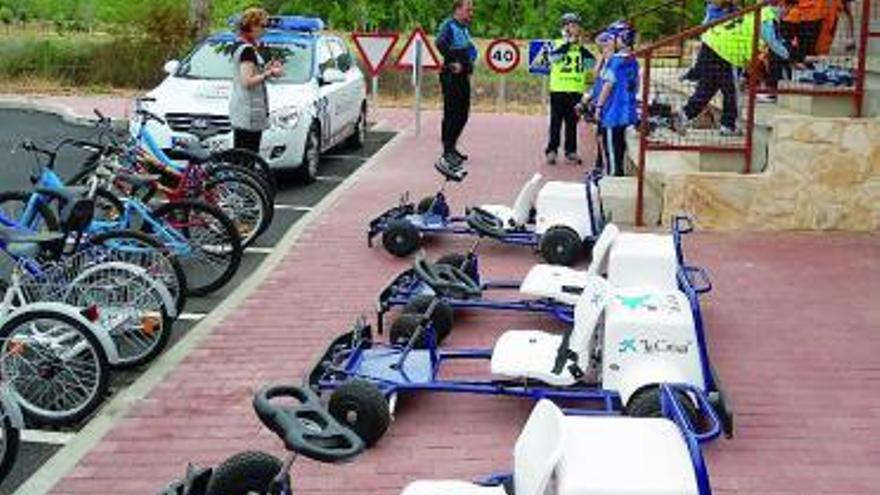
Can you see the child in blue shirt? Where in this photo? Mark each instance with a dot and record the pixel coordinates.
(616, 107)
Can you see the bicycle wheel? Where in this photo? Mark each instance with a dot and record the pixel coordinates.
(132, 246)
(244, 202)
(54, 366)
(9, 440)
(212, 251)
(13, 205)
(250, 161)
(130, 308)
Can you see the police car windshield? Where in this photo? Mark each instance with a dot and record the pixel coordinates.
(213, 60)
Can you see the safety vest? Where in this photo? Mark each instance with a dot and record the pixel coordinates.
(732, 40)
(568, 74)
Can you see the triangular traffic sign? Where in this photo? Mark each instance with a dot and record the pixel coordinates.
(375, 48)
(430, 59)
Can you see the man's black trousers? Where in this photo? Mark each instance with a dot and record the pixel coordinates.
(562, 111)
(456, 107)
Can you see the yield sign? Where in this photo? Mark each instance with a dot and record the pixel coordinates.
(375, 48)
(430, 60)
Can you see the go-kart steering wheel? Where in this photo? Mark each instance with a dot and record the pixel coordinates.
(485, 223)
(306, 427)
(446, 279)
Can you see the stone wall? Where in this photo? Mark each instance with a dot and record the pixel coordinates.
(823, 174)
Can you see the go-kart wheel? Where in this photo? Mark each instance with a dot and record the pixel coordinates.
(561, 246)
(425, 205)
(401, 238)
(646, 403)
(247, 472)
(405, 324)
(361, 406)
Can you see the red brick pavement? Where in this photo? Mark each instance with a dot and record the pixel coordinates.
(793, 325)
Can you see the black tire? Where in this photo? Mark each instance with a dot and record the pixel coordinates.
(175, 268)
(250, 161)
(229, 239)
(359, 137)
(13, 203)
(561, 246)
(244, 474)
(11, 441)
(220, 170)
(443, 316)
(401, 238)
(361, 406)
(248, 233)
(100, 356)
(645, 403)
(425, 204)
(307, 172)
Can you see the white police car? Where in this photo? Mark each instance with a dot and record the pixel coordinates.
(319, 103)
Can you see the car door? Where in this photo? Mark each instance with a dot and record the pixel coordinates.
(352, 95)
(328, 94)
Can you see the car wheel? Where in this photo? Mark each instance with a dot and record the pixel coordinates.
(308, 170)
(646, 403)
(561, 246)
(401, 238)
(443, 318)
(359, 137)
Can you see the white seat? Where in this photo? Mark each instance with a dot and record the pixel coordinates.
(532, 353)
(643, 260)
(535, 457)
(565, 284)
(518, 215)
(622, 455)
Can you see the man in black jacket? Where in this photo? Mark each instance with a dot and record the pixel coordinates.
(459, 54)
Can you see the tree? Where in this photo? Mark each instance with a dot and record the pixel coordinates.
(200, 18)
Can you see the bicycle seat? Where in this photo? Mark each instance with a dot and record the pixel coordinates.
(450, 171)
(10, 235)
(192, 152)
(446, 280)
(306, 427)
(205, 132)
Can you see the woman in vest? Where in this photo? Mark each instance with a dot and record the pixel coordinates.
(249, 103)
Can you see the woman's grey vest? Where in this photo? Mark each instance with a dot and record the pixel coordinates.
(248, 108)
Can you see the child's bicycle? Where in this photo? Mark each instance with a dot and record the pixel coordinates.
(306, 428)
(11, 424)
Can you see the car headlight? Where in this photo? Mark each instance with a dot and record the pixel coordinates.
(285, 117)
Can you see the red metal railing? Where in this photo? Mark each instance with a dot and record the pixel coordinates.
(663, 83)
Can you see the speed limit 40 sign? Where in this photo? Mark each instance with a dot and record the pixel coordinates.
(503, 56)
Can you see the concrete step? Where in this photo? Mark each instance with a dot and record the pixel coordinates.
(619, 199)
(871, 107)
(818, 105)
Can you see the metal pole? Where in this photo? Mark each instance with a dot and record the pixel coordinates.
(375, 83)
(753, 91)
(417, 82)
(861, 69)
(501, 103)
(644, 129)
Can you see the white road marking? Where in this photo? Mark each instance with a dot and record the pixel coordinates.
(330, 178)
(303, 209)
(192, 316)
(258, 250)
(50, 437)
(346, 157)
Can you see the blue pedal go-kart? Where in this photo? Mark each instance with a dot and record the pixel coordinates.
(622, 345)
(559, 219)
(455, 279)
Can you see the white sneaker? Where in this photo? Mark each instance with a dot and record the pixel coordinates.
(680, 123)
(766, 99)
(729, 132)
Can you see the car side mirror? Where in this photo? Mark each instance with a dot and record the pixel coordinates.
(332, 76)
(171, 67)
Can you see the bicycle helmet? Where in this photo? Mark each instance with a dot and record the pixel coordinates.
(570, 18)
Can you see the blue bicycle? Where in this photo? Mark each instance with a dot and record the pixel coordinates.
(203, 239)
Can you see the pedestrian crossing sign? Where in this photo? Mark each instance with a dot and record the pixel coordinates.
(539, 57)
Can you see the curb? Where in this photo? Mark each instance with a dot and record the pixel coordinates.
(38, 104)
(65, 460)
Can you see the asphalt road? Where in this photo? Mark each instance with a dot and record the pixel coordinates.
(292, 203)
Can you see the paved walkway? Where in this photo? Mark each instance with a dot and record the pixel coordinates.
(793, 326)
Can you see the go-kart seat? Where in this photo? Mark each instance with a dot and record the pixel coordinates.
(518, 215)
(550, 358)
(643, 260)
(535, 456)
(565, 284)
(635, 456)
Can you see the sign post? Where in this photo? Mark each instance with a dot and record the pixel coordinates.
(374, 49)
(502, 57)
(418, 55)
(539, 63)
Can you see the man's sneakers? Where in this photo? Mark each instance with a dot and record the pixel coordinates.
(452, 158)
(551, 157)
(680, 122)
(461, 156)
(725, 131)
(574, 158)
(762, 98)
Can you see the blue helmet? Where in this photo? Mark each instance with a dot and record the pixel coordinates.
(623, 31)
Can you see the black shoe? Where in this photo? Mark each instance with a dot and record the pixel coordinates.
(461, 156)
(452, 158)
